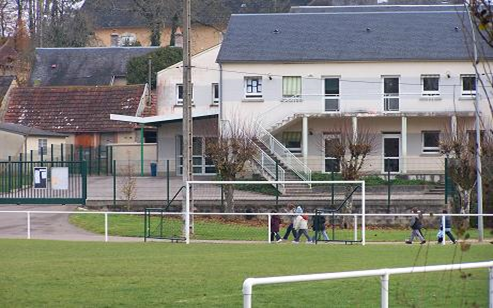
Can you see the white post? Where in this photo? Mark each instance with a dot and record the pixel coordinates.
(443, 229)
(187, 214)
(385, 291)
(28, 225)
(355, 227)
(269, 227)
(453, 125)
(247, 293)
(404, 144)
(304, 139)
(106, 227)
(355, 128)
(491, 287)
(363, 212)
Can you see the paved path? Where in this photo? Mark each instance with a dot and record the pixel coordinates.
(46, 226)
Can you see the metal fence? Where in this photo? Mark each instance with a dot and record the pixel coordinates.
(216, 227)
(32, 182)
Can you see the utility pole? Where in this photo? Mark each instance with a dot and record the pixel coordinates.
(479, 179)
(187, 105)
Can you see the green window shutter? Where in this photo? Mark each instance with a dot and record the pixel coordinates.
(291, 86)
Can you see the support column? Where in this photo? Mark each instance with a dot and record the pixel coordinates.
(355, 128)
(304, 139)
(404, 144)
(453, 125)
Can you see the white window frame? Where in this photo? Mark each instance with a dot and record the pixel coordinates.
(331, 96)
(462, 91)
(429, 150)
(179, 101)
(427, 92)
(253, 95)
(388, 96)
(43, 144)
(301, 87)
(215, 100)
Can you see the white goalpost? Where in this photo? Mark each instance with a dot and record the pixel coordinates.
(207, 198)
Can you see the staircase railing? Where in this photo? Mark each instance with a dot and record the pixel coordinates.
(278, 149)
(268, 165)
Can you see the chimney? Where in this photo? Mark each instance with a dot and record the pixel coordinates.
(115, 39)
(178, 38)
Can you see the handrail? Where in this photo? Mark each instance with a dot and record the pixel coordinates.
(278, 149)
(268, 165)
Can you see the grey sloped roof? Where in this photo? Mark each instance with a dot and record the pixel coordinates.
(346, 36)
(82, 66)
(5, 83)
(27, 131)
(376, 8)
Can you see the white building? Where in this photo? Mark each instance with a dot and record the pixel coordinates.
(402, 72)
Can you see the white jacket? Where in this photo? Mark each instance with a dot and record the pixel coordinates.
(300, 223)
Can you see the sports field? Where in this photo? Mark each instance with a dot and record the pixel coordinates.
(80, 274)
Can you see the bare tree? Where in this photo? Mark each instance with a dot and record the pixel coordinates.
(230, 151)
(350, 149)
(461, 165)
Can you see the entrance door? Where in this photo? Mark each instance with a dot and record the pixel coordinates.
(391, 153)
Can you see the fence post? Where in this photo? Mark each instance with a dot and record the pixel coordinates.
(106, 226)
(51, 153)
(9, 186)
(99, 160)
(61, 153)
(277, 184)
(332, 188)
(28, 225)
(446, 180)
(21, 173)
(388, 186)
(355, 227)
(167, 182)
(385, 290)
(114, 184)
(145, 223)
(269, 225)
(83, 166)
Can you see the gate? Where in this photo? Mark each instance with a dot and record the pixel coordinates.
(43, 182)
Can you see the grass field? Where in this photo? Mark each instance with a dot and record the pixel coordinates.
(133, 226)
(80, 274)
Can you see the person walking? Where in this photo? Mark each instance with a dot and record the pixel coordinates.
(301, 226)
(290, 229)
(319, 227)
(447, 230)
(416, 225)
(275, 223)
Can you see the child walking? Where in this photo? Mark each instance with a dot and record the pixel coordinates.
(416, 226)
(447, 230)
(301, 226)
(290, 210)
(275, 223)
(319, 228)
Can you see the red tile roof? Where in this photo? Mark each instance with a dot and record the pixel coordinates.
(76, 109)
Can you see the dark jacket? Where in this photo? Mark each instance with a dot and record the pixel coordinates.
(275, 223)
(448, 223)
(416, 223)
(318, 223)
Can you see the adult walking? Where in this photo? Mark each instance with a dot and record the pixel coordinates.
(416, 224)
(447, 230)
(290, 229)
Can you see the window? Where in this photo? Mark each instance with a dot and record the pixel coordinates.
(430, 85)
(431, 142)
(468, 83)
(179, 94)
(292, 141)
(215, 93)
(291, 86)
(201, 163)
(42, 146)
(331, 94)
(331, 146)
(391, 93)
(253, 87)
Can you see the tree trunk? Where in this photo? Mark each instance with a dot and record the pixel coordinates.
(229, 196)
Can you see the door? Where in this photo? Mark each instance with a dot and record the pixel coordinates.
(391, 153)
